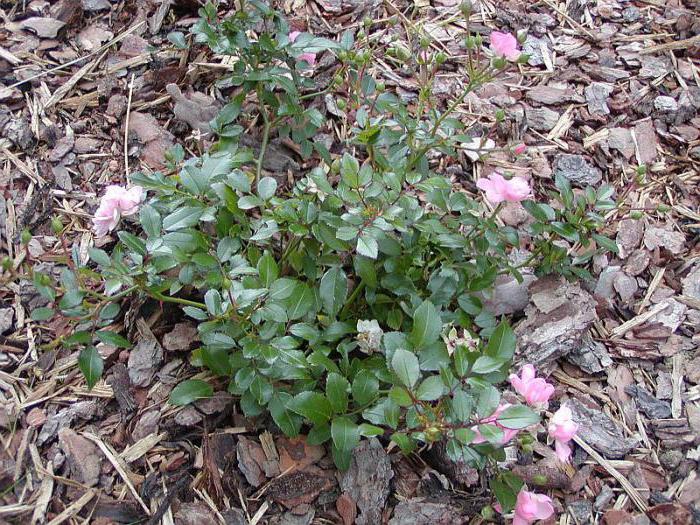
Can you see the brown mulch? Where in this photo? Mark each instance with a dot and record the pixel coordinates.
(611, 85)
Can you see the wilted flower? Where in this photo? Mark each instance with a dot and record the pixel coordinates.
(499, 189)
(369, 336)
(115, 203)
(504, 45)
(309, 58)
(562, 428)
(535, 390)
(531, 507)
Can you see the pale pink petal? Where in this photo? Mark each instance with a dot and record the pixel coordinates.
(493, 194)
(528, 372)
(543, 506)
(517, 189)
(504, 45)
(131, 200)
(293, 35)
(310, 58)
(563, 451)
(520, 149)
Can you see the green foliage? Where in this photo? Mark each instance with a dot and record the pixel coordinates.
(278, 278)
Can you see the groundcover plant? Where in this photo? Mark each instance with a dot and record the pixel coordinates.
(345, 302)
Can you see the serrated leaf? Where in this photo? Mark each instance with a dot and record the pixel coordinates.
(501, 344)
(364, 387)
(517, 417)
(268, 270)
(300, 302)
(487, 364)
(113, 338)
(313, 406)
(431, 389)
(267, 188)
(182, 218)
(367, 246)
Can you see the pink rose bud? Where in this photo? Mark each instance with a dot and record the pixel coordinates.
(520, 149)
(508, 433)
(531, 507)
(309, 58)
(535, 390)
(504, 45)
(562, 428)
(115, 203)
(499, 189)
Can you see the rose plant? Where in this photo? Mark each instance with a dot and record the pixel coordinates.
(335, 304)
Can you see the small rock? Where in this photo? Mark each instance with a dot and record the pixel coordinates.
(666, 104)
(629, 235)
(84, 458)
(541, 119)
(418, 511)
(625, 286)
(19, 132)
(43, 27)
(670, 459)
(654, 66)
(621, 140)
(591, 356)
(581, 510)
(251, 457)
(597, 96)
(637, 262)
(196, 109)
(664, 385)
(508, 295)
(603, 498)
(194, 513)
(646, 142)
(96, 5)
(656, 237)
(144, 361)
(672, 316)
(552, 95)
(631, 14)
(692, 370)
(601, 432)
(652, 407)
(116, 106)
(146, 424)
(6, 317)
(87, 145)
(576, 169)
(62, 177)
(36, 417)
(64, 417)
(92, 37)
(536, 48)
(62, 147)
(691, 283)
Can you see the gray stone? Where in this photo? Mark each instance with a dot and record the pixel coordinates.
(6, 316)
(592, 357)
(581, 510)
(534, 46)
(652, 407)
(603, 498)
(600, 432)
(666, 104)
(576, 169)
(631, 14)
(670, 459)
(83, 456)
(541, 119)
(597, 94)
(508, 295)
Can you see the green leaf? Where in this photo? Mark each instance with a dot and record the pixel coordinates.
(91, 365)
(427, 325)
(405, 365)
(337, 388)
(605, 243)
(501, 343)
(334, 290)
(267, 188)
(462, 405)
(405, 443)
(341, 458)
(189, 391)
(282, 288)
(400, 396)
(488, 401)
(150, 220)
(431, 389)
(313, 406)
(345, 433)
(367, 246)
(318, 434)
(42, 314)
(465, 435)
(113, 338)
(300, 302)
(99, 256)
(183, 218)
(364, 387)
(349, 170)
(268, 270)
(491, 433)
(517, 417)
(486, 364)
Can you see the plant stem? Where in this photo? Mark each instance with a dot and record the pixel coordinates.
(265, 138)
(168, 299)
(351, 299)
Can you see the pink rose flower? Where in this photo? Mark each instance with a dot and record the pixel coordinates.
(508, 433)
(499, 189)
(535, 390)
(309, 58)
(115, 203)
(562, 428)
(504, 45)
(531, 507)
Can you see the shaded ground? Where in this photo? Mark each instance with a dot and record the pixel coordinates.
(610, 86)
